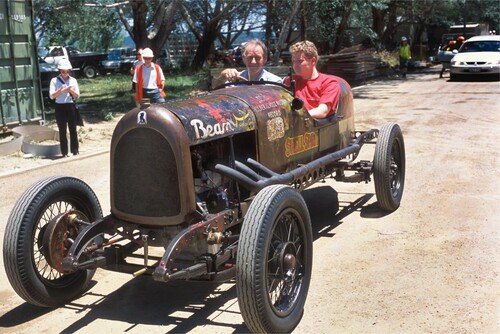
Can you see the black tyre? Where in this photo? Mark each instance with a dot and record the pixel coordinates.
(28, 272)
(389, 167)
(90, 72)
(455, 77)
(274, 261)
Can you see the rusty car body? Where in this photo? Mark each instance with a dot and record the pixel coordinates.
(214, 181)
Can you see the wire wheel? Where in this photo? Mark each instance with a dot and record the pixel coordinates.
(389, 167)
(274, 261)
(27, 268)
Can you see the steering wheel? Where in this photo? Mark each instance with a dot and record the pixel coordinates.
(239, 78)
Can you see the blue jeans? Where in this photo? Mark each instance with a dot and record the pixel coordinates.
(153, 95)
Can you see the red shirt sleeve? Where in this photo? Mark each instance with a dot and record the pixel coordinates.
(331, 92)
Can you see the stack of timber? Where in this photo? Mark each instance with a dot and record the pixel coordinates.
(354, 64)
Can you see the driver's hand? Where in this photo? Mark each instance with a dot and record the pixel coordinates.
(230, 74)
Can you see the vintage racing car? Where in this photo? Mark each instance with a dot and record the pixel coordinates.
(214, 182)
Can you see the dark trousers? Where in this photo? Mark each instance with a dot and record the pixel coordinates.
(66, 118)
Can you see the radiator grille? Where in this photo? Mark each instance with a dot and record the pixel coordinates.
(145, 179)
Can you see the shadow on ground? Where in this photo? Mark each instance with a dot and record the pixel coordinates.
(188, 305)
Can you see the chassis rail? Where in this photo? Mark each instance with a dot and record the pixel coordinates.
(251, 180)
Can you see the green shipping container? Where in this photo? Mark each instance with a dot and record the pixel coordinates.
(20, 92)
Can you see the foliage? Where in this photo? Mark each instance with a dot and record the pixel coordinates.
(205, 20)
(96, 25)
(149, 23)
(327, 15)
(62, 22)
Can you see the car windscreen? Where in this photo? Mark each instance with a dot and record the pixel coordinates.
(480, 46)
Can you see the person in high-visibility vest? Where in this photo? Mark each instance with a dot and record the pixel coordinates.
(149, 76)
(404, 56)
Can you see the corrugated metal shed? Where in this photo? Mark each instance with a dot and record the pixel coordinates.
(20, 93)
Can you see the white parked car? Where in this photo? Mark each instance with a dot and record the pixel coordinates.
(478, 55)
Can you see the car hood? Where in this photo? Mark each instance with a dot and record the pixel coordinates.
(477, 56)
(44, 67)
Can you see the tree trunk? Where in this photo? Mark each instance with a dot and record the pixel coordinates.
(210, 34)
(378, 21)
(344, 23)
(392, 24)
(160, 28)
(269, 24)
(139, 32)
(303, 22)
(284, 31)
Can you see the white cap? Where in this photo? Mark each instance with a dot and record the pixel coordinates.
(64, 65)
(403, 39)
(148, 53)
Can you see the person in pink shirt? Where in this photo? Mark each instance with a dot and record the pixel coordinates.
(320, 92)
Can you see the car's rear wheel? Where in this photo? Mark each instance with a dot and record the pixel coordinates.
(27, 267)
(389, 167)
(274, 261)
(90, 71)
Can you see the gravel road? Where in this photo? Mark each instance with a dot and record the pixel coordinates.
(430, 267)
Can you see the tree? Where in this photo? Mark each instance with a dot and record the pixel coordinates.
(205, 20)
(59, 22)
(153, 21)
(94, 25)
(324, 22)
(344, 22)
(285, 29)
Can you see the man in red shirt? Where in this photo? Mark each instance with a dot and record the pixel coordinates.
(320, 92)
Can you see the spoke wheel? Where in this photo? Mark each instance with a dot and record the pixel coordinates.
(274, 261)
(29, 272)
(389, 167)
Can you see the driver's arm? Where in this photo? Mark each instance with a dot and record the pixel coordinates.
(320, 111)
(229, 74)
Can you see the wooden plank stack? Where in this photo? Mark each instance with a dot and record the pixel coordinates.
(353, 64)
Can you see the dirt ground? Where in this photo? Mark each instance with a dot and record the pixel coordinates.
(430, 267)
(94, 137)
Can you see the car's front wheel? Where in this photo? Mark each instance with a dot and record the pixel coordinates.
(28, 263)
(274, 261)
